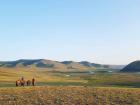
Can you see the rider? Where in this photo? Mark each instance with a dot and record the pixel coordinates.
(22, 78)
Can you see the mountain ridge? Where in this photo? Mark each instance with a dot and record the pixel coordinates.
(50, 64)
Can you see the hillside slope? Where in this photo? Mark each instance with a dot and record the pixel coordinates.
(55, 65)
(39, 63)
(132, 67)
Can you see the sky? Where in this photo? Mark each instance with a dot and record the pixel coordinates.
(99, 31)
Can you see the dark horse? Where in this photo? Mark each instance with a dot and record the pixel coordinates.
(28, 82)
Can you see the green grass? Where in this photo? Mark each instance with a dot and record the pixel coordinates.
(43, 78)
(115, 79)
(69, 88)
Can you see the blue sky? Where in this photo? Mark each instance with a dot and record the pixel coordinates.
(101, 31)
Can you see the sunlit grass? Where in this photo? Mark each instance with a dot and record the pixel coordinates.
(69, 95)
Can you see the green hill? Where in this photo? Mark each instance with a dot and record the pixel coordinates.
(55, 65)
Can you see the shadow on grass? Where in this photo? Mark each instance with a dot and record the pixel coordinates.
(129, 85)
(7, 85)
(12, 84)
(134, 85)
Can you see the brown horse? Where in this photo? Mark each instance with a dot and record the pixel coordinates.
(28, 82)
(20, 83)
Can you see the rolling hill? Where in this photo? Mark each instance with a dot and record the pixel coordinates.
(55, 65)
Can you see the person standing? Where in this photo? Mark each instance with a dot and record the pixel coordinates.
(33, 82)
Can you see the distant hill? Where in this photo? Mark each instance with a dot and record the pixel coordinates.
(132, 67)
(56, 65)
(75, 65)
(101, 66)
(39, 63)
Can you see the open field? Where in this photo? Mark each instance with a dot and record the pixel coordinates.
(9, 76)
(69, 88)
(49, 78)
(69, 95)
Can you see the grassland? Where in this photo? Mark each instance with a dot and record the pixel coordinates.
(69, 88)
(47, 78)
(9, 76)
(69, 95)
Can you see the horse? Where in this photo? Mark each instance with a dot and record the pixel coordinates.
(28, 82)
(22, 83)
(18, 83)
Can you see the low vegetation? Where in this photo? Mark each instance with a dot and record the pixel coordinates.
(43, 78)
(64, 95)
(69, 88)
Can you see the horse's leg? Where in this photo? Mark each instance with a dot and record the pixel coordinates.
(23, 83)
(16, 84)
(33, 83)
(27, 83)
(20, 83)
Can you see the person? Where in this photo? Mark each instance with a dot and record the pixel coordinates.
(22, 82)
(22, 78)
(33, 82)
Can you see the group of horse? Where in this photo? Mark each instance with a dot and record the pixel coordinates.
(22, 82)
